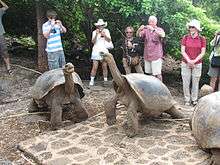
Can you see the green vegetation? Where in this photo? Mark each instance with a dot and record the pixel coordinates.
(79, 15)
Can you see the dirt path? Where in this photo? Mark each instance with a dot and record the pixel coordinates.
(16, 126)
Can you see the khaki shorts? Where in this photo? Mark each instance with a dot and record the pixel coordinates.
(3, 47)
(153, 67)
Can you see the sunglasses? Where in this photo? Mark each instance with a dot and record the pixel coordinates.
(191, 26)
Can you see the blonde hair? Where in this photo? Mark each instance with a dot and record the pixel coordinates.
(152, 17)
(129, 27)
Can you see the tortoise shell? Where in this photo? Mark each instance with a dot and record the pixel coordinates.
(50, 79)
(152, 93)
(206, 121)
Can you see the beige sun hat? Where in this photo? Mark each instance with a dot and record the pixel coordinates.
(100, 22)
(194, 23)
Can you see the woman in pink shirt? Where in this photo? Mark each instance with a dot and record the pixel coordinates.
(193, 47)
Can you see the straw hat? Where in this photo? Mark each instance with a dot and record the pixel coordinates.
(194, 23)
(100, 22)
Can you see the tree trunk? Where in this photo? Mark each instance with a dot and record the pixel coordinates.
(42, 56)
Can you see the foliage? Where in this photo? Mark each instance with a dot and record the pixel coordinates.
(79, 17)
(26, 41)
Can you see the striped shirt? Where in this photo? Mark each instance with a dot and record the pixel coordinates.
(54, 39)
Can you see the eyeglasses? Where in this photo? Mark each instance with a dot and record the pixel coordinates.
(128, 32)
(191, 27)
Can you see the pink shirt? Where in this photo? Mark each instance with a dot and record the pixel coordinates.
(193, 46)
(152, 44)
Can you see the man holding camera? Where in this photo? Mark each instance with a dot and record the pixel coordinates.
(52, 30)
(153, 49)
(3, 46)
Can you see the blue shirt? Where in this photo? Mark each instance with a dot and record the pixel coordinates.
(54, 39)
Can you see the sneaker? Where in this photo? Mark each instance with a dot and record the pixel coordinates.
(187, 103)
(194, 102)
(91, 83)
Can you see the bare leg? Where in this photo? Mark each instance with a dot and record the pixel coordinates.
(131, 126)
(125, 65)
(94, 68)
(7, 63)
(110, 111)
(138, 68)
(104, 69)
(216, 156)
(212, 82)
(56, 114)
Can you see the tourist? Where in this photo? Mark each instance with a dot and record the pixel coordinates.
(101, 39)
(153, 50)
(52, 30)
(193, 47)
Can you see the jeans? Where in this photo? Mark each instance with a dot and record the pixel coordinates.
(188, 75)
(56, 59)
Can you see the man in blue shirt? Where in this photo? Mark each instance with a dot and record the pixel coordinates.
(52, 30)
(3, 46)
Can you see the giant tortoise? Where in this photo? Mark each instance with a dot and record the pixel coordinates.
(56, 88)
(138, 93)
(205, 124)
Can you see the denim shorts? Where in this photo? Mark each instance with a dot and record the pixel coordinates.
(56, 59)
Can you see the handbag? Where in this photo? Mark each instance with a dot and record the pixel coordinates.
(215, 61)
(109, 45)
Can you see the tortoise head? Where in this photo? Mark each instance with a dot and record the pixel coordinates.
(68, 68)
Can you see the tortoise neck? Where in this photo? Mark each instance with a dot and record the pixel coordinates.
(114, 71)
(69, 84)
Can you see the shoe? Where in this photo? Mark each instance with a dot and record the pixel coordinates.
(194, 102)
(9, 71)
(187, 103)
(91, 83)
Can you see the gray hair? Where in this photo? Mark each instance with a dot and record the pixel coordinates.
(152, 17)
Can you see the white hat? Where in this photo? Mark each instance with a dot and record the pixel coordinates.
(194, 23)
(100, 23)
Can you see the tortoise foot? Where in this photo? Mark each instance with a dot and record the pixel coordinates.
(111, 121)
(130, 131)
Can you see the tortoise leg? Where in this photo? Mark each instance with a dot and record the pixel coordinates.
(110, 110)
(216, 156)
(56, 115)
(33, 107)
(131, 126)
(80, 110)
(174, 111)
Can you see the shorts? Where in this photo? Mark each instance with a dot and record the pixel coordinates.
(3, 47)
(56, 59)
(213, 72)
(153, 67)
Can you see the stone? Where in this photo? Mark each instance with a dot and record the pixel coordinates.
(158, 163)
(63, 135)
(146, 143)
(93, 132)
(97, 125)
(110, 130)
(81, 129)
(5, 162)
(71, 151)
(45, 156)
(59, 161)
(179, 155)
(173, 147)
(114, 139)
(142, 161)
(179, 163)
(80, 158)
(159, 151)
(102, 151)
(93, 162)
(42, 146)
(122, 162)
(59, 144)
(90, 141)
(133, 151)
(179, 140)
(73, 137)
(110, 158)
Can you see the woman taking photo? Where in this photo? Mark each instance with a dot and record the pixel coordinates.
(102, 42)
(193, 47)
